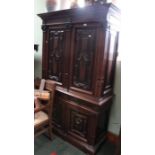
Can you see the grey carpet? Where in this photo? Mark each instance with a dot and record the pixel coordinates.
(43, 146)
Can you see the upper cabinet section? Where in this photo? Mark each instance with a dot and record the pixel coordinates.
(80, 48)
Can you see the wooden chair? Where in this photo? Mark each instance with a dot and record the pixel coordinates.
(43, 112)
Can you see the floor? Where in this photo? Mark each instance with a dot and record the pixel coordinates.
(43, 146)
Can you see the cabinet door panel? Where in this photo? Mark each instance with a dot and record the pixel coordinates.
(58, 51)
(83, 53)
(80, 122)
(55, 54)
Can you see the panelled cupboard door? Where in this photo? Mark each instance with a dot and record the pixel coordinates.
(83, 54)
(58, 52)
(81, 122)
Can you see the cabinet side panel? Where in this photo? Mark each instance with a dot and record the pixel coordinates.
(110, 61)
(103, 121)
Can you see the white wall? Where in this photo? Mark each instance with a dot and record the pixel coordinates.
(39, 8)
(115, 115)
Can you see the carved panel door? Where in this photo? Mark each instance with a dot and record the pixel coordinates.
(83, 53)
(57, 53)
(81, 122)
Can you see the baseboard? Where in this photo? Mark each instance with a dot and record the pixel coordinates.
(112, 138)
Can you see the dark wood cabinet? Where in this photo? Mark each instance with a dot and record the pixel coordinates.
(79, 53)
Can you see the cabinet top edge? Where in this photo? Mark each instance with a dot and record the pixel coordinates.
(103, 10)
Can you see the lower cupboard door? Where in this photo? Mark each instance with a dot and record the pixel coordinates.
(81, 123)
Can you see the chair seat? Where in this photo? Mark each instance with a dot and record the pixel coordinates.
(40, 117)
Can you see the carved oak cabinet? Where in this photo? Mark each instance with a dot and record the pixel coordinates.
(79, 53)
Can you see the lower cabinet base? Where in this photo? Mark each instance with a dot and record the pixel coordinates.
(81, 123)
(88, 149)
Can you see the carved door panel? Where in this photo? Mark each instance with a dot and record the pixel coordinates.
(80, 122)
(83, 53)
(58, 52)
